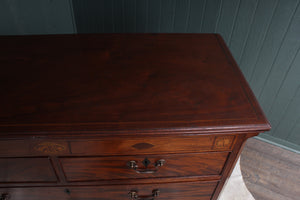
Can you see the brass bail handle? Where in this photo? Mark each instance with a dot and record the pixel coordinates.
(133, 165)
(133, 195)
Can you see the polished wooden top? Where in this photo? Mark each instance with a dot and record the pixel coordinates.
(123, 82)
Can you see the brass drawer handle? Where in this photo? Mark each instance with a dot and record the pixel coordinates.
(133, 165)
(4, 196)
(133, 195)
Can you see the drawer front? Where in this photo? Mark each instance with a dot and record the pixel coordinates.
(165, 191)
(33, 147)
(152, 145)
(117, 145)
(14, 170)
(148, 166)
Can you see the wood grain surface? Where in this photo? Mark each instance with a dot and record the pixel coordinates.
(176, 191)
(79, 107)
(125, 145)
(14, 170)
(270, 172)
(114, 82)
(176, 165)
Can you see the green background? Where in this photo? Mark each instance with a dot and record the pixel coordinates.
(263, 36)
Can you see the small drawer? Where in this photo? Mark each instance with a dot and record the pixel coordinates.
(147, 166)
(162, 191)
(16, 170)
(33, 147)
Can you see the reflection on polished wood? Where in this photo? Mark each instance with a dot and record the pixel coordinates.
(76, 109)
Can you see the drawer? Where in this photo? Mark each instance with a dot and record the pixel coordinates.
(33, 147)
(14, 170)
(117, 145)
(152, 145)
(165, 191)
(147, 166)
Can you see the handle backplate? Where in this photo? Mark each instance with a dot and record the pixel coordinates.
(133, 165)
(133, 195)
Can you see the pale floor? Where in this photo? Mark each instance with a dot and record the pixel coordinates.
(235, 188)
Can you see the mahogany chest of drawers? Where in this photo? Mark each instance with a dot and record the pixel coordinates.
(121, 116)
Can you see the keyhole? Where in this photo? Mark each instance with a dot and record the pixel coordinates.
(67, 191)
(146, 162)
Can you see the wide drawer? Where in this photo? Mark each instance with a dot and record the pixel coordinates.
(152, 145)
(117, 145)
(14, 170)
(147, 166)
(163, 191)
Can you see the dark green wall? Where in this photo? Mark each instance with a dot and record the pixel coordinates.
(20, 17)
(263, 35)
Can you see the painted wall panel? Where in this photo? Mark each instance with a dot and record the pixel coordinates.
(211, 16)
(286, 126)
(197, 8)
(168, 8)
(242, 27)
(272, 42)
(227, 19)
(280, 109)
(282, 64)
(294, 134)
(141, 15)
(129, 16)
(108, 16)
(181, 17)
(118, 16)
(154, 16)
(91, 19)
(260, 25)
(36, 17)
(8, 20)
